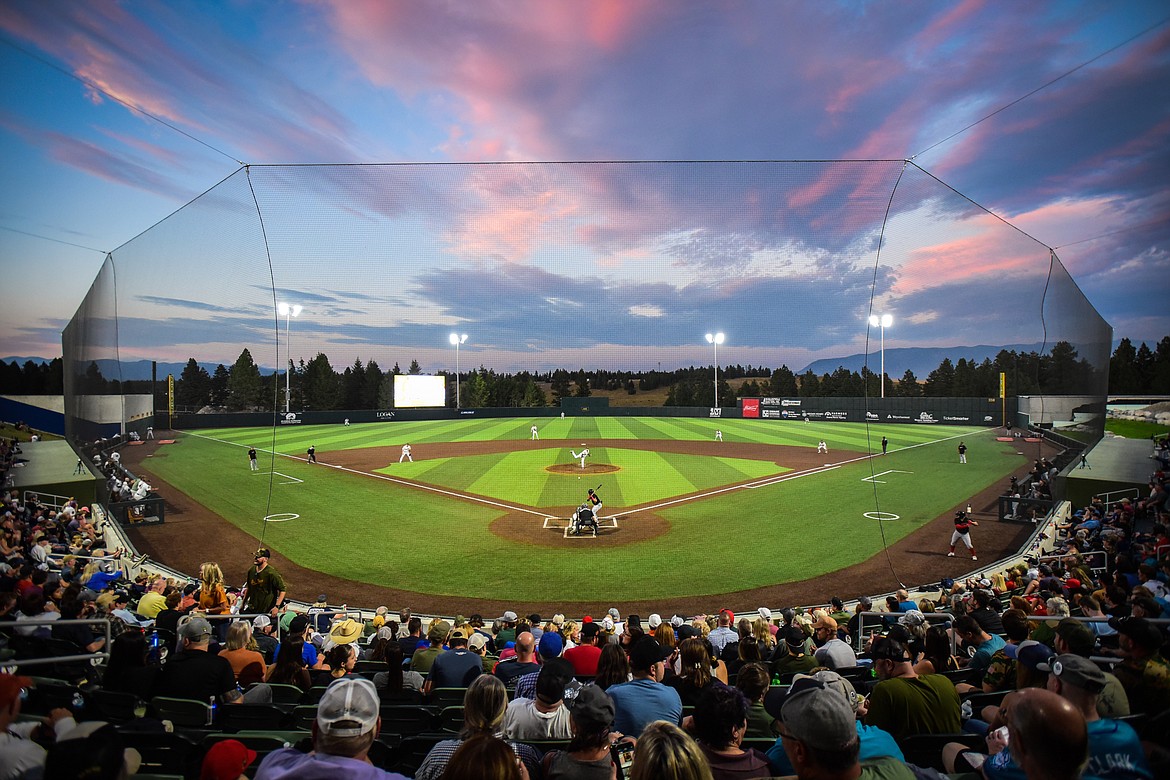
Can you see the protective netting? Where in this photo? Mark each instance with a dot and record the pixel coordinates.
(578, 265)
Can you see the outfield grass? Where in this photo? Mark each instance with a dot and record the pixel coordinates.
(1135, 429)
(373, 529)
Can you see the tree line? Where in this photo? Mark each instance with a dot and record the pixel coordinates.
(317, 385)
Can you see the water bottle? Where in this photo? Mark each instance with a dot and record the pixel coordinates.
(77, 703)
(211, 711)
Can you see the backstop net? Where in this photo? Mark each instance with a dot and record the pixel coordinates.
(619, 266)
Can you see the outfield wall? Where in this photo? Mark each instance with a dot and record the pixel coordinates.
(926, 411)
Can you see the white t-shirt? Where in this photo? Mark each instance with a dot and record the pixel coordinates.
(523, 721)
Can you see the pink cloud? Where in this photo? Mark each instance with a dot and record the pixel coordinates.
(989, 250)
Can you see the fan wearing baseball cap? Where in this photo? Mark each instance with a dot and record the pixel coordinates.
(455, 668)
(645, 699)
(1144, 672)
(818, 731)
(265, 589)
(346, 726)
(904, 702)
(197, 674)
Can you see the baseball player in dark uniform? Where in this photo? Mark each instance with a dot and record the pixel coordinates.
(963, 523)
(252, 459)
(312, 453)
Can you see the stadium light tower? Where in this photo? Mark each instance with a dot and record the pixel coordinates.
(715, 340)
(457, 339)
(882, 322)
(288, 312)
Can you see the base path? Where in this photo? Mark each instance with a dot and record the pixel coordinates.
(193, 534)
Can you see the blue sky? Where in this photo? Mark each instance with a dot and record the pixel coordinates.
(657, 256)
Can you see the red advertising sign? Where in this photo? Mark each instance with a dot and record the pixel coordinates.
(751, 407)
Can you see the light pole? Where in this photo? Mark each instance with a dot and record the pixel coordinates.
(457, 339)
(715, 340)
(288, 312)
(882, 322)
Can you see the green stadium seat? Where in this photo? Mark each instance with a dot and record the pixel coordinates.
(164, 754)
(251, 717)
(447, 697)
(451, 719)
(183, 713)
(408, 719)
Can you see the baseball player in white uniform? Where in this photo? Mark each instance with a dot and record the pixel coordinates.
(405, 454)
(582, 455)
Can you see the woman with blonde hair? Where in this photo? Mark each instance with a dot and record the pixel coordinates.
(762, 631)
(666, 752)
(212, 597)
(664, 635)
(247, 664)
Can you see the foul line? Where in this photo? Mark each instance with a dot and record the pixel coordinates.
(874, 477)
(396, 480)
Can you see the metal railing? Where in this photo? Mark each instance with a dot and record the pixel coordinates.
(1113, 496)
(18, 626)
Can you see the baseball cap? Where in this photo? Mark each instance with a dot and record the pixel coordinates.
(477, 641)
(654, 621)
(607, 623)
(1139, 630)
(348, 708)
(775, 698)
(819, 715)
(438, 630)
(508, 617)
(261, 621)
(1075, 670)
(263, 552)
(297, 625)
(593, 706)
(590, 629)
(646, 652)
(676, 621)
(613, 613)
(226, 760)
(195, 629)
(558, 619)
(889, 650)
(550, 645)
(794, 637)
(1078, 636)
(765, 613)
(911, 618)
(458, 634)
(826, 622)
(1032, 653)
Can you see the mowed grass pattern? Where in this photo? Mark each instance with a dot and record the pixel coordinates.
(380, 531)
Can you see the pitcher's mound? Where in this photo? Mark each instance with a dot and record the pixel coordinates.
(575, 468)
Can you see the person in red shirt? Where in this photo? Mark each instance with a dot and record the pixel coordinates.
(584, 656)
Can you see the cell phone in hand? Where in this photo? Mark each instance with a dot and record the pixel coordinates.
(623, 756)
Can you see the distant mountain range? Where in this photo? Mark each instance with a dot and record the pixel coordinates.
(920, 360)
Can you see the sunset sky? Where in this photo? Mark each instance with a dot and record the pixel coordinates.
(601, 266)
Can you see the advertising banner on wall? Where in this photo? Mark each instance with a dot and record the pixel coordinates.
(919, 411)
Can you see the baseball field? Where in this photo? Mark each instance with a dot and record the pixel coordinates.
(478, 515)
